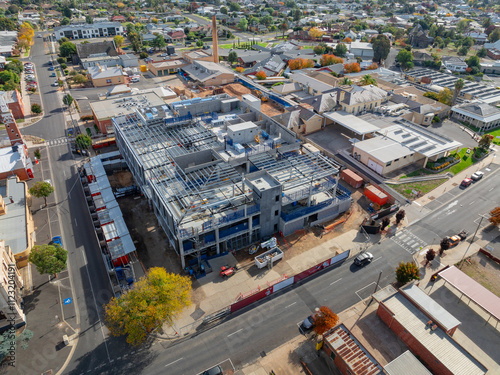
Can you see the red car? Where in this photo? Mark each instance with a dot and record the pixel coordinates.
(466, 182)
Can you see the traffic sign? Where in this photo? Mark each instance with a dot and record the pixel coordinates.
(67, 301)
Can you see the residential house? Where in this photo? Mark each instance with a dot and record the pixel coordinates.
(494, 53)
(419, 38)
(3, 62)
(321, 103)
(8, 41)
(479, 37)
(287, 88)
(118, 18)
(310, 85)
(455, 64)
(87, 50)
(351, 34)
(361, 49)
(356, 99)
(481, 115)
(208, 73)
(101, 76)
(420, 57)
(176, 36)
(272, 66)
(87, 31)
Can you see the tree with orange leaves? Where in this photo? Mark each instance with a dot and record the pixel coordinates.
(495, 216)
(261, 75)
(25, 35)
(347, 40)
(330, 60)
(372, 66)
(324, 320)
(352, 68)
(239, 69)
(300, 63)
(315, 33)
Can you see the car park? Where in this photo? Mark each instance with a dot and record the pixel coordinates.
(53, 74)
(363, 259)
(55, 83)
(29, 77)
(466, 182)
(216, 370)
(51, 68)
(476, 176)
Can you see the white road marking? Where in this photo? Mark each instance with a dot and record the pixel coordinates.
(290, 305)
(491, 189)
(377, 259)
(235, 332)
(76, 224)
(471, 203)
(336, 281)
(64, 173)
(177, 360)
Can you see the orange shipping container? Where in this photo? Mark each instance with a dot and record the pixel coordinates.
(375, 195)
(351, 178)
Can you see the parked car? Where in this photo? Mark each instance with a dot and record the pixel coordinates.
(28, 64)
(164, 55)
(466, 182)
(57, 240)
(476, 176)
(134, 79)
(29, 77)
(32, 82)
(51, 68)
(363, 259)
(216, 370)
(77, 151)
(307, 324)
(53, 74)
(55, 83)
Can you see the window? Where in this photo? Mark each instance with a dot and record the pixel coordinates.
(275, 227)
(276, 213)
(277, 198)
(108, 81)
(395, 160)
(388, 164)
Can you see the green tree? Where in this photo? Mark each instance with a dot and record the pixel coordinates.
(63, 40)
(243, 24)
(494, 35)
(66, 12)
(36, 108)
(118, 39)
(232, 57)
(65, 21)
(367, 79)
(199, 43)
(223, 10)
(83, 141)
(445, 96)
(157, 298)
(474, 63)
(482, 53)
(319, 50)
(7, 24)
(283, 28)
(68, 100)
(485, 142)
(463, 25)
(48, 259)
(459, 85)
(234, 7)
(346, 82)
(381, 48)
(405, 58)
(340, 50)
(41, 189)
(159, 42)
(463, 51)
(79, 78)
(89, 20)
(407, 272)
(67, 49)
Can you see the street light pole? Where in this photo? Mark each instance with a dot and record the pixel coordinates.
(470, 243)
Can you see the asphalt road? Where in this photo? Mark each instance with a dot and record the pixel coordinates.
(246, 335)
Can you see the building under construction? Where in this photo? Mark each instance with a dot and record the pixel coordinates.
(221, 181)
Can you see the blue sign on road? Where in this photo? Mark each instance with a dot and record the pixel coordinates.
(67, 301)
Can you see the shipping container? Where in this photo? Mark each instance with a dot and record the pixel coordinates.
(351, 178)
(375, 195)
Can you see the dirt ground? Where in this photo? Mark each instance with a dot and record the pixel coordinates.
(484, 271)
(306, 239)
(121, 179)
(238, 90)
(150, 241)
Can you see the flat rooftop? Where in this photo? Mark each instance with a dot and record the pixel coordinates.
(107, 109)
(383, 149)
(13, 225)
(351, 122)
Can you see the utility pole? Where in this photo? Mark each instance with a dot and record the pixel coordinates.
(470, 243)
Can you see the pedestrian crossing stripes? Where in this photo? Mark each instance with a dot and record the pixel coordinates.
(408, 241)
(57, 142)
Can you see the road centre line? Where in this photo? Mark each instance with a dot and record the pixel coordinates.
(377, 259)
(241, 329)
(336, 281)
(286, 307)
(177, 360)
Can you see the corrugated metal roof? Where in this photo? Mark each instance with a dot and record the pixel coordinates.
(406, 364)
(472, 289)
(430, 307)
(442, 346)
(352, 352)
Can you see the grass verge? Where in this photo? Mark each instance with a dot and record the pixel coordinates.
(423, 186)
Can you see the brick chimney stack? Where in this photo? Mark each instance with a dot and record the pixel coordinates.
(215, 42)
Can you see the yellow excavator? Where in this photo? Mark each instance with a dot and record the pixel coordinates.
(263, 97)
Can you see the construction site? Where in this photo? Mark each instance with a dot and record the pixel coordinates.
(220, 174)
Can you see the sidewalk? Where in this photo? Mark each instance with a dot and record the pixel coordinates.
(46, 315)
(418, 208)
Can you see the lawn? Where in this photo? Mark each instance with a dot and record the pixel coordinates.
(417, 173)
(230, 45)
(466, 162)
(496, 134)
(484, 271)
(423, 186)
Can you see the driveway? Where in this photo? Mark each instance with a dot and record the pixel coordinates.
(453, 130)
